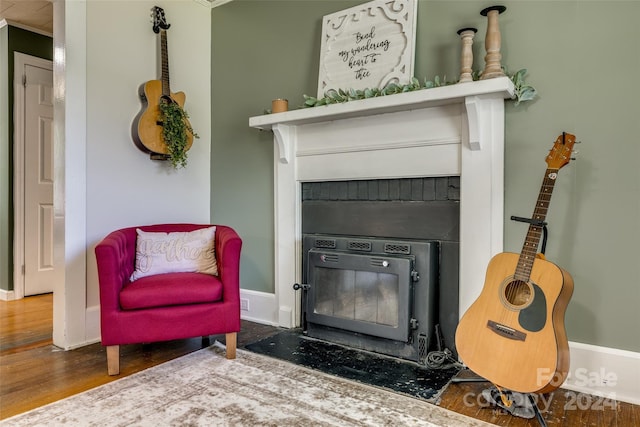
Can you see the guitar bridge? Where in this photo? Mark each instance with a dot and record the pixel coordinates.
(506, 331)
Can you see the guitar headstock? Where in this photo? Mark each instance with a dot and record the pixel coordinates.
(560, 154)
(159, 20)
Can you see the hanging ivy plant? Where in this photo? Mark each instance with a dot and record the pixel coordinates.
(523, 92)
(175, 130)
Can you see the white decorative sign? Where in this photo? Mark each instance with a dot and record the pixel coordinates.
(368, 46)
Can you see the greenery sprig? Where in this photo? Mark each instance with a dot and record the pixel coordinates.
(174, 132)
(523, 92)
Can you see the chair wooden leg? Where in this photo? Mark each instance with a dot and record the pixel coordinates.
(230, 340)
(113, 359)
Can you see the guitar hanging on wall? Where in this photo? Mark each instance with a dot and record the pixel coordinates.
(147, 127)
(513, 334)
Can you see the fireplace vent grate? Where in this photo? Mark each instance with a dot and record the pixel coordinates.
(397, 248)
(355, 245)
(423, 347)
(325, 243)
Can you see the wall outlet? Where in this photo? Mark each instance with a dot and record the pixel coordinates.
(244, 304)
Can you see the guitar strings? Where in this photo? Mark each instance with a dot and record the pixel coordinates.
(517, 291)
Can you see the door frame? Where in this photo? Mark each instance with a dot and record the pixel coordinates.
(21, 60)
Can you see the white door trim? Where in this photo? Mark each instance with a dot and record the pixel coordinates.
(21, 60)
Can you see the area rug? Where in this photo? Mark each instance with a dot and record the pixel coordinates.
(363, 366)
(206, 389)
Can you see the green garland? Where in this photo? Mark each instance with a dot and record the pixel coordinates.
(174, 132)
(523, 92)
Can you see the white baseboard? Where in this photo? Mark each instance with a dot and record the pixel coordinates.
(261, 307)
(607, 372)
(7, 295)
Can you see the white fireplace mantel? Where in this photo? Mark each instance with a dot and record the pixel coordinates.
(455, 130)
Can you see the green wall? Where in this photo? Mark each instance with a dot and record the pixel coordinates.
(13, 40)
(261, 50)
(581, 57)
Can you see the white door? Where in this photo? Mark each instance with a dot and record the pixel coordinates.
(38, 181)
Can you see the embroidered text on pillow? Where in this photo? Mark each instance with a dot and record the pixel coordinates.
(158, 253)
(172, 250)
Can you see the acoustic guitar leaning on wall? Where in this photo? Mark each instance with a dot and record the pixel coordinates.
(513, 334)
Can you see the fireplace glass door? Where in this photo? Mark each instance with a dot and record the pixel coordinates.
(369, 294)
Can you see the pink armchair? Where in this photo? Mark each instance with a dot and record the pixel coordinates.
(166, 306)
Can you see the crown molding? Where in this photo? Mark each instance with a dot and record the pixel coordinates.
(5, 22)
(212, 3)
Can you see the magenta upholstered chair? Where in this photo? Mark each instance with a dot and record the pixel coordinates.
(167, 306)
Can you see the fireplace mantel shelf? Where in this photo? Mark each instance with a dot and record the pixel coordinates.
(455, 130)
(468, 93)
(387, 104)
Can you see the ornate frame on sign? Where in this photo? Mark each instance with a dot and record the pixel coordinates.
(368, 46)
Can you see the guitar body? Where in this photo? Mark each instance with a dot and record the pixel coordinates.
(514, 336)
(147, 126)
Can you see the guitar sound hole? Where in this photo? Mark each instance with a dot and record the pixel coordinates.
(517, 293)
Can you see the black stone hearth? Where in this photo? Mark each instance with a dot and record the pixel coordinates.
(420, 215)
(365, 367)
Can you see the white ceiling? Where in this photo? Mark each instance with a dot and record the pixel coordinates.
(36, 14)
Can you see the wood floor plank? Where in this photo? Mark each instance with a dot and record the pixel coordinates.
(26, 321)
(628, 415)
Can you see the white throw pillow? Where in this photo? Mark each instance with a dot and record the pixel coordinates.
(192, 251)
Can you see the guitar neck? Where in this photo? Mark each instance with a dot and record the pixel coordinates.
(532, 241)
(166, 91)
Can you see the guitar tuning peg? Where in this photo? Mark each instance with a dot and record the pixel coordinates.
(576, 152)
(577, 142)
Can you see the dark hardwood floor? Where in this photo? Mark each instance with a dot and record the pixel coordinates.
(33, 372)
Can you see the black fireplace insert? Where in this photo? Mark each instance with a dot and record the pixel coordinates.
(371, 293)
(380, 263)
